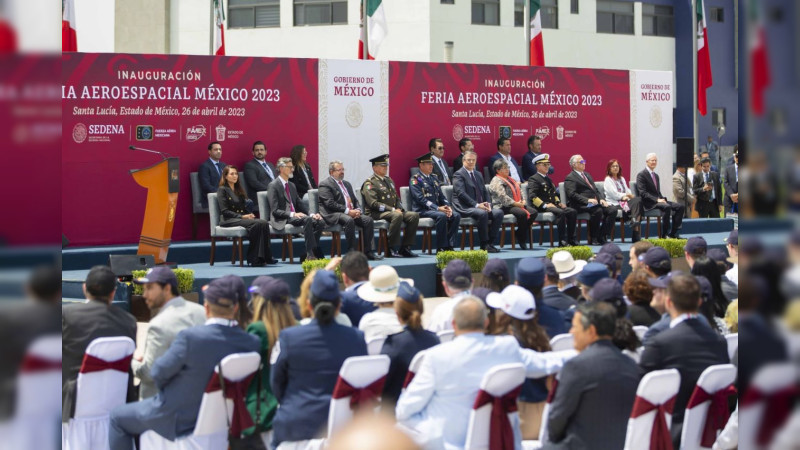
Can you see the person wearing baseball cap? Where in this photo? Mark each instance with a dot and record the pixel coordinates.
(495, 275)
(382, 291)
(591, 274)
(695, 247)
(530, 274)
(656, 261)
(171, 314)
(403, 346)
(608, 290)
(306, 361)
(182, 373)
(457, 282)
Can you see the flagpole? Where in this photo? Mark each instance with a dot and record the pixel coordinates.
(213, 30)
(365, 29)
(694, 75)
(527, 30)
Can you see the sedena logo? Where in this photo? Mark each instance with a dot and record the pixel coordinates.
(79, 133)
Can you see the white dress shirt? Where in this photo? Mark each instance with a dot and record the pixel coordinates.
(442, 317)
(381, 322)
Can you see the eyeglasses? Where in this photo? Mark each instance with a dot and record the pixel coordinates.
(583, 161)
(439, 148)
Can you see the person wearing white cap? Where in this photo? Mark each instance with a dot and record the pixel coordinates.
(381, 289)
(437, 403)
(567, 269)
(518, 318)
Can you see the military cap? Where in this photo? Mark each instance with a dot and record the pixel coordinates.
(382, 159)
(427, 157)
(543, 158)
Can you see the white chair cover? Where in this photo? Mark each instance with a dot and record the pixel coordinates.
(713, 379)
(446, 335)
(656, 387)
(563, 341)
(375, 344)
(497, 382)
(97, 394)
(733, 344)
(768, 380)
(359, 372)
(413, 368)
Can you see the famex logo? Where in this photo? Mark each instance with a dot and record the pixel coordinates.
(96, 133)
(194, 133)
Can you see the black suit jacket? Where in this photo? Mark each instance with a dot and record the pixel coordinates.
(593, 400)
(554, 298)
(705, 196)
(528, 167)
(464, 196)
(759, 344)
(578, 192)
(81, 323)
(279, 210)
(691, 346)
(458, 163)
(649, 192)
(209, 178)
(731, 183)
(332, 201)
(401, 349)
(300, 182)
(257, 179)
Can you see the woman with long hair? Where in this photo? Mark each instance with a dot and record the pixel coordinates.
(272, 313)
(507, 195)
(306, 364)
(707, 306)
(235, 212)
(618, 193)
(609, 291)
(516, 315)
(303, 178)
(705, 266)
(402, 347)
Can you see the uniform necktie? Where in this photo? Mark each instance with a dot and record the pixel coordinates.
(288, 196)
(346, 195)
(478, 194)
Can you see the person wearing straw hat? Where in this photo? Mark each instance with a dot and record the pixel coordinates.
(567, 269)
(381, 289)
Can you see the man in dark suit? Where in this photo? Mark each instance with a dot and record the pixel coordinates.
(355, 272)
(543, 195)
(258, 172)
(211, 171)
(428, 200)
(338, 205)
(182, 374)
(582, 195)
(648, 185)
(471, 199)
(436, 149)
(708, 190)
(551, 296)
(81, 323)
(596, 389)
(285, 207)
(731, 176)
(463, 145)
(504, 152)
(534, 150)
(689, 345)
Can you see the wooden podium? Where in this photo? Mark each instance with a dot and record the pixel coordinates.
(161, 182)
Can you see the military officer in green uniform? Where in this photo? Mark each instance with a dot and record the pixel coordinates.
(543, 196)
(382, 202)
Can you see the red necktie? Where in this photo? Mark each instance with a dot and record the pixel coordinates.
(346, 195)
(288, 196)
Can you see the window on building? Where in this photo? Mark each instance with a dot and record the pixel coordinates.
(716, 14)
(549, 10)
(574, 6)
(254, 13)
(658, 20)
(717, 117)
(486, 12)
(519, 13)
(614, 17)
(320, 12)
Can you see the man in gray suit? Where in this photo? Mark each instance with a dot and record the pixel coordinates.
(258, 172)
(285, 207)
(596, 389)
(182, 374)
(172, 315)
(81, 323)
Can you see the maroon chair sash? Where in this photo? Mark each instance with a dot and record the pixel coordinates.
(501, 436)
(359, 397)
(660, 438)
(33, 363)
(717, 414)
(778, 406)
(93, 364)
(234, 390)
(409, 377)
(552, 394)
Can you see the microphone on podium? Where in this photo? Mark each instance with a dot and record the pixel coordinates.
(163, 155)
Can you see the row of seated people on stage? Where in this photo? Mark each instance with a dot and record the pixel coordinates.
(701, 187)
(486, 204)
(306, 340)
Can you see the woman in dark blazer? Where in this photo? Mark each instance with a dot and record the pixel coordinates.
(303, 177)
(234, 213)
(402, 347)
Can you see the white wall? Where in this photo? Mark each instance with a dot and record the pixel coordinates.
(190, 27)
(95, 22)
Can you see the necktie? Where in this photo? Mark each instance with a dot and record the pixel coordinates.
(288, 196)
(653, 176)
(219, 172)
(346, 195)
(478, 194)
(583, 174)
(266, 168)
(444, 172)
(712, 187)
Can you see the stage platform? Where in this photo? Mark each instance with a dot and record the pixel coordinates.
(194, 255)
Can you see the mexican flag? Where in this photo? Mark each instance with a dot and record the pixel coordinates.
(219, 28)
(760, 77)
(374, 30)
(69, 41)
(704, 78)
(537, 44)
